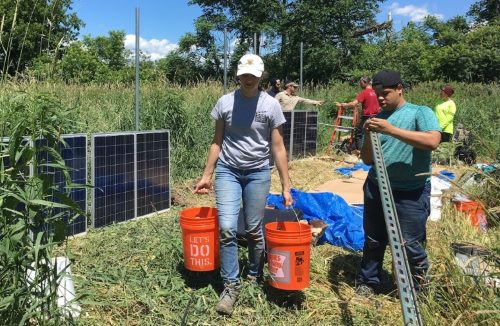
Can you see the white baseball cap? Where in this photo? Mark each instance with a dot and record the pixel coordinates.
(250, 64)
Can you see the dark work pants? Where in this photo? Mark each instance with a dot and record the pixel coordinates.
(413, 208)
(445, 137)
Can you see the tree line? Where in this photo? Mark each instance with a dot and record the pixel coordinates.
(341, 41)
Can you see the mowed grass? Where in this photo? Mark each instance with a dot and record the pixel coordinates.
(133, 274)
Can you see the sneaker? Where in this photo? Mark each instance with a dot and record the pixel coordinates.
(364, 290)
(228, 298)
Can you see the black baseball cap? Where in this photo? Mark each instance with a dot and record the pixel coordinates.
(387, 78)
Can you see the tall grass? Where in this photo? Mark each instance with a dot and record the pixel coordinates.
(185, 111)
(27, 204)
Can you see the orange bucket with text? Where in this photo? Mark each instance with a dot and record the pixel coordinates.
(288, 247)
(473, 211)
(200, 238)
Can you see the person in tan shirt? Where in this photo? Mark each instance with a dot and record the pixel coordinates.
(288, 100)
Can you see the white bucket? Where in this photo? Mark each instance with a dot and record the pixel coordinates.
(65, 288)
(437, 187)
(436, 205)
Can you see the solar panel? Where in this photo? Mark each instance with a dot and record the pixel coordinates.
(20, 175)
(75, 158)
(74, 154)
(311, 133)
(153, 169)
(4, 143)
(113, 178)
(4, 150)
(287, 129)
(299, 133)
(131, 175)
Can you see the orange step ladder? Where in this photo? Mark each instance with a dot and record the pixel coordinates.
(341, 127)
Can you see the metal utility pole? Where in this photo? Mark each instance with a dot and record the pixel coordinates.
(301, 68)
(301, 65)
(388, 31)
(255, 43)
(225, 60)
(137, 81)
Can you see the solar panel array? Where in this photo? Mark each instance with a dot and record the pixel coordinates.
(74, 153)
(131, 171)
(130, 175)
(299, 133)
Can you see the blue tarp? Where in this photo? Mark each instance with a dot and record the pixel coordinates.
(345, 222)
(348, 171)
(447, 174)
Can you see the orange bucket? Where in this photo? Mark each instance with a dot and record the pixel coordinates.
(473, 211)
(200, 238)
(288, 254)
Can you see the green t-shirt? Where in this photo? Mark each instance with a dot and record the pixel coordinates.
(402, 160)
(445, 113)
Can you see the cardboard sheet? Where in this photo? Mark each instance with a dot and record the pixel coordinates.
(351, 189)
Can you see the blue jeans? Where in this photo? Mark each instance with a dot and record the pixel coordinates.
(232, 186)
(413, 208)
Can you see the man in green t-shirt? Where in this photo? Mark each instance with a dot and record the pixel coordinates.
(409, 133)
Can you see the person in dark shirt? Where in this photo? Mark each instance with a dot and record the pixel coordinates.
(275, 88)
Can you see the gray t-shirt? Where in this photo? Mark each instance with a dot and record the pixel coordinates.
(247, 128)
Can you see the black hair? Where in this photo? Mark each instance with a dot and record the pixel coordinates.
(273, 81)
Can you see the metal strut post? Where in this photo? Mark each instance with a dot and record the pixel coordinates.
(407, 294)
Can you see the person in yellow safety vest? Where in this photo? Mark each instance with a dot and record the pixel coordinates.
(445, 112)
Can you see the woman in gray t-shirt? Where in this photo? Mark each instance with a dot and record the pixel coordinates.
(247, 132)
